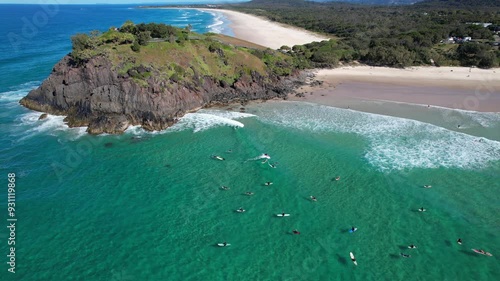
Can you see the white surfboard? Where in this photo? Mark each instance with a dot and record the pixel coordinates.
(283, 215)
(222, 245)
(353, 258)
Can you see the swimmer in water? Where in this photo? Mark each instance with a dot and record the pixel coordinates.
(249, 193)
(412, 246)
(459, 241)
(337, 178)
(405, 255)
(268, 183)
(295, 231)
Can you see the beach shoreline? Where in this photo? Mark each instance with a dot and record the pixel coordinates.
(466, 88)
(265, 32)
(462, 88)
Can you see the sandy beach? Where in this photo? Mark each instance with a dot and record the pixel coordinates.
(266, 33)
(454, 87)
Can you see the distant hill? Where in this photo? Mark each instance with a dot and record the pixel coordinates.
(374, 2)
(460, 3)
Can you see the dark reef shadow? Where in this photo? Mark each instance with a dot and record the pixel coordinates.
(108, 144)
(447, 243)
(394, 256)
(341, 259)
(167, 166)
(403, 247)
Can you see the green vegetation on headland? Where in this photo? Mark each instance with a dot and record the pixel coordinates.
(459, 32)
(177, 54)
(152, 74)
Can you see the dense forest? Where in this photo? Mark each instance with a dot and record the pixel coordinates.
(436, 32)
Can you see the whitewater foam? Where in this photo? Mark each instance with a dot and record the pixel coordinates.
(202, 120)
(51, 125)
(17, 93)
(394, 143)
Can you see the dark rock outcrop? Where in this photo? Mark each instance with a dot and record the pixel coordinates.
(95, 95)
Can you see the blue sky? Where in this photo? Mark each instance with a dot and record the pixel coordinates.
(112, 1)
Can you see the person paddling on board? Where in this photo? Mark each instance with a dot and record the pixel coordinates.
(249, 193)
(405, 255)
(459, 241)
(295, 231)
(313, 198)
(353, 229)
(283, 214)
(268, 183)
(337, 178)
(241, 210)
(412, 246)
(225, 244)
(421, 209)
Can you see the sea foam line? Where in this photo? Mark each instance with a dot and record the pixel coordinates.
(394, 143)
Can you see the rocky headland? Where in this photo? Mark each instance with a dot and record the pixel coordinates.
(111, 85)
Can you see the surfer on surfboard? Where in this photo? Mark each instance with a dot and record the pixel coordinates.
(459, 241)
(218, 157)
(353, 258)
(295, 231)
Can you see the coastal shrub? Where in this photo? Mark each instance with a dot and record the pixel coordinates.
(143, 37)
(79, 41)
(473, 54)
(136, 47)
(116, 37)
(128, 27)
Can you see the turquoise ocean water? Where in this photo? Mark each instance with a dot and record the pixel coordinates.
(148, 206)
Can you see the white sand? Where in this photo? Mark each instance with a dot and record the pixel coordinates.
(266, 33)
(448, 75)
(456, 87)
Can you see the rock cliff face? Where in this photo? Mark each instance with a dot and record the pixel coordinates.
(95, 95)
